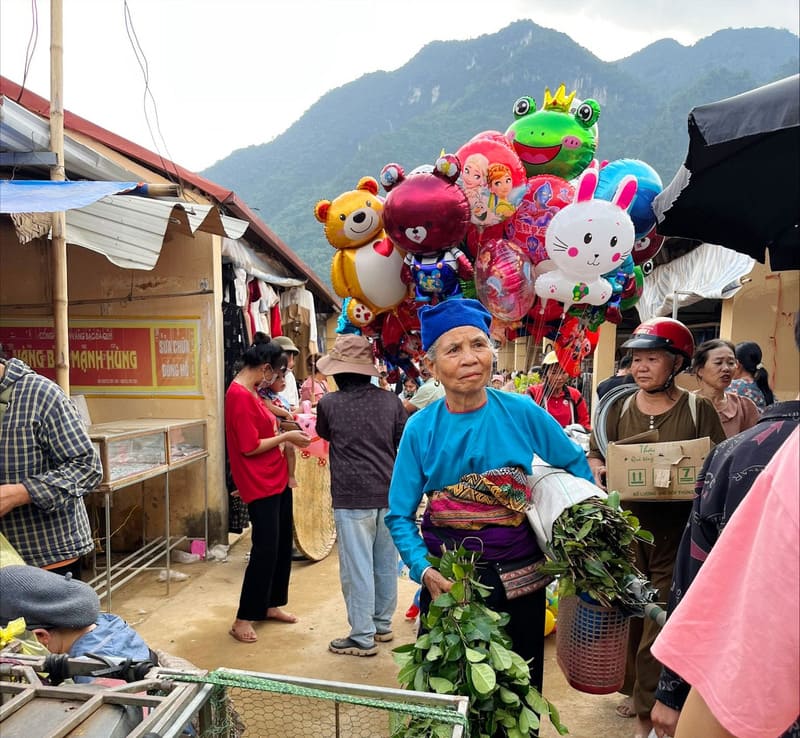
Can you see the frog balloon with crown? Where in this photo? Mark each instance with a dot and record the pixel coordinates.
(560, 138)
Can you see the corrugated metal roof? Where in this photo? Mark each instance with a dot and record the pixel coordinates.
(22, 131)
(129, 231)
(260, 232)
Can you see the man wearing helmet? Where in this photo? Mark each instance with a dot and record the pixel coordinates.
(661, 348)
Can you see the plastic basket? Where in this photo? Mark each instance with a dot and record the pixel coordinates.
(591, 645)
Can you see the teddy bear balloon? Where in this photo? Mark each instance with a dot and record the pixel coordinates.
(426, 214)
(585, 240)
(367, 267)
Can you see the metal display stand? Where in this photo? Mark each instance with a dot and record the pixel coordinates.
(132, 451)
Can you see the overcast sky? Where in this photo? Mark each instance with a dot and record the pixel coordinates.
(226, 74)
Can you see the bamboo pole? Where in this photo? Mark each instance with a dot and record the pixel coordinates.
(57, 173)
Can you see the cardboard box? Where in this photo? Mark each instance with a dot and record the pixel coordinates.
(655, 471)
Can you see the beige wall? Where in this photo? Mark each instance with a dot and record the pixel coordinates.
(764, 311)
(99, 289)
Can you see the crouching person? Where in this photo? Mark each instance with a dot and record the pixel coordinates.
(64, 615)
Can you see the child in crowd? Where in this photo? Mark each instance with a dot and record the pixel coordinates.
(272, 394)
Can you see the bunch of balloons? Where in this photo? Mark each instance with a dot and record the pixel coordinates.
(552, 242)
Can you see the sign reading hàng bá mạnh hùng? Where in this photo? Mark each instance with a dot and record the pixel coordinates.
(656, 471)
(114, 356)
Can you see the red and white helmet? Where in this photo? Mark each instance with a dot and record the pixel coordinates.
(663, 333)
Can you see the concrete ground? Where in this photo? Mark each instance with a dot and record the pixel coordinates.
(193, 622)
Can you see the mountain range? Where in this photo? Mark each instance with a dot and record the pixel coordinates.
(452, 90)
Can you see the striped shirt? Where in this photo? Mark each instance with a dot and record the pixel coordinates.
(45, 447)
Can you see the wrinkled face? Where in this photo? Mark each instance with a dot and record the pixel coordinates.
(464, 359)
(651, 367)
(719, 368)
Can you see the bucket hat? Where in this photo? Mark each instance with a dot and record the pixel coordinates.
(350, 354)
(286, 344)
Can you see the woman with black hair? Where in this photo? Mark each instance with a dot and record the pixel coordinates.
(261, 474)
(751, 380)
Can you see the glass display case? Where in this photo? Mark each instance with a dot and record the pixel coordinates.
(132, 451)
(186, 442)
(129, 452)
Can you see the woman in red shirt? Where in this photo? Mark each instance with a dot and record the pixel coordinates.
(563, 402)
(261, 475)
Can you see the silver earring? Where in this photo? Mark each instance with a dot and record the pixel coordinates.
(436, 382)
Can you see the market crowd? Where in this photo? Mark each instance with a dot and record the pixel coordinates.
(416, 467)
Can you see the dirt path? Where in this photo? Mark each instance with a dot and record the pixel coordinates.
(193, 623)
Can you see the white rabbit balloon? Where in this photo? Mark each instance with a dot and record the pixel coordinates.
(585, 240)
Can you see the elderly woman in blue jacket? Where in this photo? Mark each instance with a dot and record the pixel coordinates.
(474, 439)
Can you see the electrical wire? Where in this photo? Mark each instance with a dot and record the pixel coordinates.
(141, 59)
(31, 47)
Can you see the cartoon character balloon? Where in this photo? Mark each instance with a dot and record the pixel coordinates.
(504, 279)
(398, 342)
(585, 240)
(646, 247)
(366, 267)
(492, 177)
(573, 343)
(559, 139)
(427, 214)
(545, 196)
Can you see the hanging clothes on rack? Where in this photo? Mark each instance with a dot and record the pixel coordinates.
(299, 320)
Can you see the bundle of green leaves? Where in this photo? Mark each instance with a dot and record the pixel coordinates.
(591, 553)
(466, 651)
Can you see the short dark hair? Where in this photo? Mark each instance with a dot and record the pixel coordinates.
(626, 361)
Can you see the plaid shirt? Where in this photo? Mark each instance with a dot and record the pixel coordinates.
(44, 446)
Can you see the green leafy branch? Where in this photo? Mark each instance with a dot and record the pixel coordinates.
(466, 651)
(591, 552)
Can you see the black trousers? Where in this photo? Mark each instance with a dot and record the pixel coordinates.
(266, 579)
(526, 624)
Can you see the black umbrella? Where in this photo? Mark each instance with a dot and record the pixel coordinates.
(739, 186)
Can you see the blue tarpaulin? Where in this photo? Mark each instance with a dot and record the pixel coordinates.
(44, 196)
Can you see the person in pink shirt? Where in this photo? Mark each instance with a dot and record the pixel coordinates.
(315, 385)
(735, 636)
